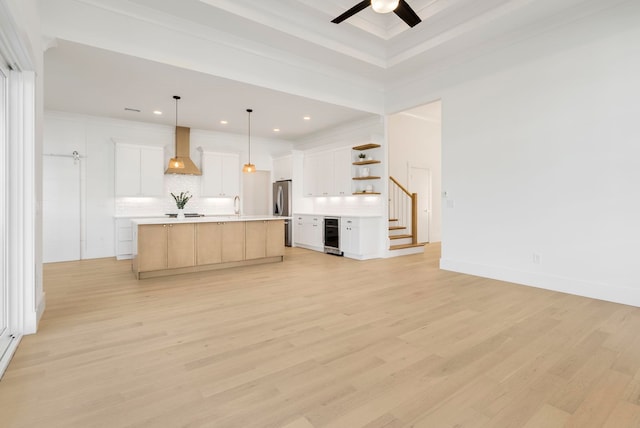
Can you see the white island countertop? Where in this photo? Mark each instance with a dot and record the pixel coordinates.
(206, 219)
(340, 215)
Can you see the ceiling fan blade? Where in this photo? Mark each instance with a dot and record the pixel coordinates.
(355, 9)
(407, 14)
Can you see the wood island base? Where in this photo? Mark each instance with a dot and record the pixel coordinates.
(164, 247)
(203, 268)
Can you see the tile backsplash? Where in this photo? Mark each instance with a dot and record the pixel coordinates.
(158, 206)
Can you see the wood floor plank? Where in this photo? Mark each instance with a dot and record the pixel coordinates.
(623, 415)
(320, 341)
(548, 417)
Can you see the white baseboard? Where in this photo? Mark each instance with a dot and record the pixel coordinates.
(41, 307)
(594, 290)
(404, 252)
(6, 358)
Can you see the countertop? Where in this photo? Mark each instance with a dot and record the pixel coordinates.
(207, 219)
(339, 215)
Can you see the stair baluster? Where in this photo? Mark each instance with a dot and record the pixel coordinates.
(403, 210)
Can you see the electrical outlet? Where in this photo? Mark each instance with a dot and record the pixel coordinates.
(535, 258)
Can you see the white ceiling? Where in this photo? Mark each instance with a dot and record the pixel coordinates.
(107, 57)
(97, 82)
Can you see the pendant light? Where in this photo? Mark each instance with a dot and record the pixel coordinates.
(176, 162)
(249, 167)
(384, 6)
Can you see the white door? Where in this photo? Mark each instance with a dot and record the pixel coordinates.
(5, 333)
(420, 183)
(60, 208)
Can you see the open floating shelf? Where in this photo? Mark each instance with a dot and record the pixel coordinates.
(366, 162)
(366, 147)
(369, 177)
(366, 193)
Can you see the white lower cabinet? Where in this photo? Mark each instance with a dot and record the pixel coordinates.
(124, 239)
(308, 231)
(349, 235)
(359, 237)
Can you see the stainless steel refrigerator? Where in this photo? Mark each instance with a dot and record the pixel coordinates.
(282, 206)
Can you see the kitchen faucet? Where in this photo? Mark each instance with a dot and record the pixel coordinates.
(236, 205)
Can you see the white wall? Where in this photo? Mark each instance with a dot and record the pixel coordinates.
(416, 141)
(541, 161)
(94, 137)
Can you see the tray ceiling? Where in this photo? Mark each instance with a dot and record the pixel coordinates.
(283, 53)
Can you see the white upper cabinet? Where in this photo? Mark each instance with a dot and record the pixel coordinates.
(342, 172)
(220, 174)
(282, 168)
(139, 170)
(327, 173)
(310, 174)
(324, 174)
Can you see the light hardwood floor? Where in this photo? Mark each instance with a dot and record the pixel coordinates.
(320, 341)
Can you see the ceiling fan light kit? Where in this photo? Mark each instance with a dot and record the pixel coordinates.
(399, 7)
(384, 6)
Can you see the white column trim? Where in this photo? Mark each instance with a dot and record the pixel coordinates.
(22, 198)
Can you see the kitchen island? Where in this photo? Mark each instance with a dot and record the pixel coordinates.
(168, 246)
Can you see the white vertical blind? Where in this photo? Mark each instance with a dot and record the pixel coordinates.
(4, 279)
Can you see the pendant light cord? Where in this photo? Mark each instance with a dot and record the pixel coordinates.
(176, 97)
(249, 133)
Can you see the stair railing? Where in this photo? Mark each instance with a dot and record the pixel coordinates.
(403, 206)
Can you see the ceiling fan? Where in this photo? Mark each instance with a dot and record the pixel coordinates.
(399, 7)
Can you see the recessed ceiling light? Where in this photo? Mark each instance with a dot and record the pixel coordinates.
(276, 129)
(158, 112)
(307, 118)
(223, 122)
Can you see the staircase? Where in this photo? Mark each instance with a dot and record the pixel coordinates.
(403, 218)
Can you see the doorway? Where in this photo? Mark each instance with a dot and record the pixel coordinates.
(415, 152)
(420, 183)
(61, 207)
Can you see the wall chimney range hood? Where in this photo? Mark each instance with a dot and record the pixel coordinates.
(183, 154)
(181, 162)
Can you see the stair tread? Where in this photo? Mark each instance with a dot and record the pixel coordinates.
(401, 236)
(397, 227)
(403, 246)
(393, 219)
